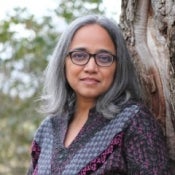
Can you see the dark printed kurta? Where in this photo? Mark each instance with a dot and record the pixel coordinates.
(130, 144)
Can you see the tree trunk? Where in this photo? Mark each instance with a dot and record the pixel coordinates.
(149, 30)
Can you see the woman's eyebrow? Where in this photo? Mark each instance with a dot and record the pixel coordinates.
(79, 48)
(98, 51)
(106, 51)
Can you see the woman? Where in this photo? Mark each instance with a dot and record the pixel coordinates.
(96, 123)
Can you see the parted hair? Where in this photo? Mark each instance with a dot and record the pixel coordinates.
(58, 97)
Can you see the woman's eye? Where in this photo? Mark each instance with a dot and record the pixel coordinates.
(105, 58)
(79, 56)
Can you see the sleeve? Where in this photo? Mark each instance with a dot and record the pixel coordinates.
(36, 146)
(144, 146)
(35, 152)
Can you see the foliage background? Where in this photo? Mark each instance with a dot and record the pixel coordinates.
(26, 44)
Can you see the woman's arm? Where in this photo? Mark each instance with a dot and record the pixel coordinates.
(144, 146)
(35, 152)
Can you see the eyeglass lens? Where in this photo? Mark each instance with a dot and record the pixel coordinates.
(82, 58)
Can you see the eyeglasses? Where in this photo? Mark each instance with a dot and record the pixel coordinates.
(81, 58)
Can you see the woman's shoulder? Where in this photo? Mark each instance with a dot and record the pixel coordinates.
(44, 129)
(142, 111)
(136, 107)
(130, 109)
(139, 114)
(128, 113)
(44, 125)
(143, 119)
(47, 127)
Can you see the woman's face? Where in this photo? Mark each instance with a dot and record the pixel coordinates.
(90, 80)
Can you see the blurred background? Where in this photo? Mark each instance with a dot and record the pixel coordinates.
(29, 30)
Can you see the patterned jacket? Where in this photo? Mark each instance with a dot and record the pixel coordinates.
(132, 143)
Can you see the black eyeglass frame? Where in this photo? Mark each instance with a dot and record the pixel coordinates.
(90, 56)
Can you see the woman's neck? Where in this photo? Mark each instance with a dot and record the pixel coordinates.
(82, 107)
(78, 120)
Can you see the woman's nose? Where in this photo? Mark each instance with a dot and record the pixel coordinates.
(91, 65)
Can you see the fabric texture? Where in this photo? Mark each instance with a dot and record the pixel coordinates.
(132, 143)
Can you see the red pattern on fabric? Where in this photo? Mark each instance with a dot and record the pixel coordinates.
(35, 156)
(101, 159)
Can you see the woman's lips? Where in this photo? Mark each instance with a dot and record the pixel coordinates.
(90, 81)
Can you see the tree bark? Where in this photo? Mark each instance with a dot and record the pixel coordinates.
(149, 30)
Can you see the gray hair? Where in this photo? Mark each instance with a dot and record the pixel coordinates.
(58, 97)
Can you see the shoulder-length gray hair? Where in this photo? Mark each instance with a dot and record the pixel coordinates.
(58, 97)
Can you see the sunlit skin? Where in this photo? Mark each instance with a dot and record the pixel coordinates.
(88, 81)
